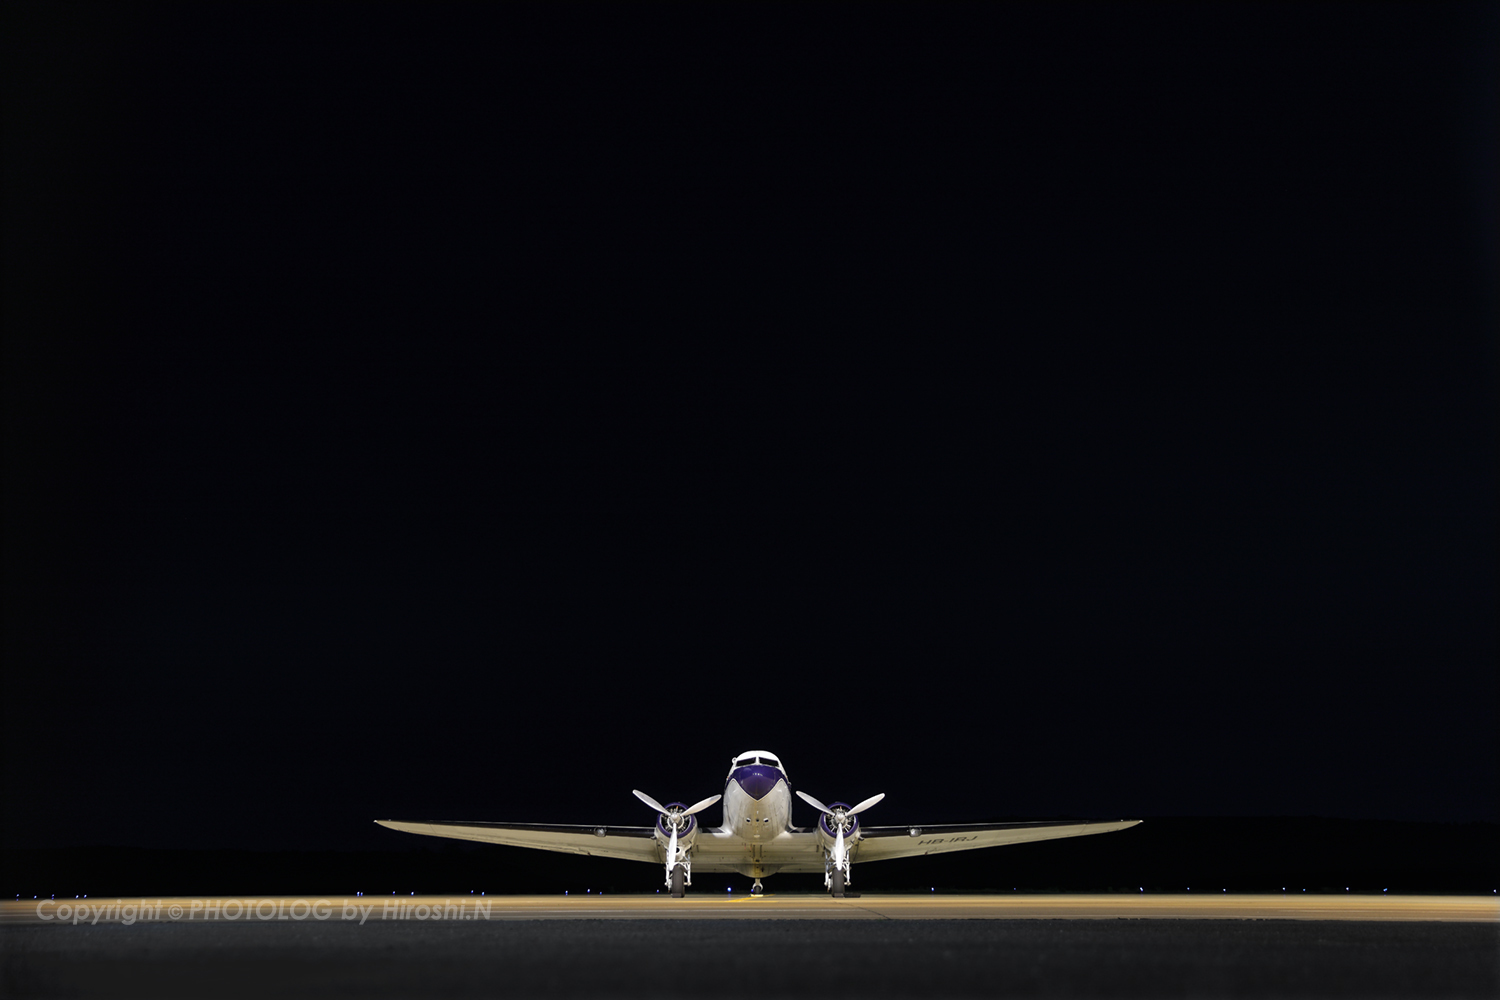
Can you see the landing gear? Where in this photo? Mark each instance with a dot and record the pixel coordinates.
(679, 876)
(836, 883)
(757, 888)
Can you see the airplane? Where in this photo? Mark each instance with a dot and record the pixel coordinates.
(756, 837)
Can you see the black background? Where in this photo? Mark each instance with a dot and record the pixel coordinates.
(1024, 411)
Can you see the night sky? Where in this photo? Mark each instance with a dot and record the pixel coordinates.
(1026, 412)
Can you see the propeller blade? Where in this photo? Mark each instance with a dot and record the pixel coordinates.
(820, 807)
(649, 801)
(867, 803)
(700, 806)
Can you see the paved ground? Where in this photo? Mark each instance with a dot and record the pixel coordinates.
(313, 909)
(759, 958)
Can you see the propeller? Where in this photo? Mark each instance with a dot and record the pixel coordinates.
(839, 820)
(840, 815)
(676, 817)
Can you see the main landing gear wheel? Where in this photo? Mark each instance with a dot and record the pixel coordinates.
(678, 875)
(838, 884)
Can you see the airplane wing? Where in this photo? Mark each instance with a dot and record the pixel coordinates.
(632, 843)
(880, 843)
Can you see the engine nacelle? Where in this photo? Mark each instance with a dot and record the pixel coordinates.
(686, 833)
(826, 832)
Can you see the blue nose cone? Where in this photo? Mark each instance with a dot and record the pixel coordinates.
(757, 779)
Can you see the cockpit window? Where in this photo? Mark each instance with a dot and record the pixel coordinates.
(753, 759)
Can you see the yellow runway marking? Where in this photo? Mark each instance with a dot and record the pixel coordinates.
(365, 909)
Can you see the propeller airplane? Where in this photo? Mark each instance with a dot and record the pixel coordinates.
(756, 837)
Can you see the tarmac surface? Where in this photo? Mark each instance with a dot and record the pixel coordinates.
(762, 958)
(314, 909)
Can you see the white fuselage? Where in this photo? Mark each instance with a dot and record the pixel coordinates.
(757, 803)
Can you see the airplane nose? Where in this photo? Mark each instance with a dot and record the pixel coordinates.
(757, 780)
